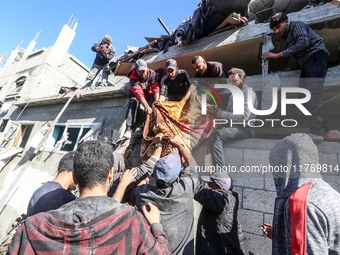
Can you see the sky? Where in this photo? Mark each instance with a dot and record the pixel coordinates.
(126, 21)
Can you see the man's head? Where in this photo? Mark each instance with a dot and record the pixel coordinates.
(279, 23)
(237, 77)
(171, 68)
(66, 166)
(167, 169)
(141, 68)
(93, 162)
(107, 40)
(66, 162)
(199, 64)
(219, 180)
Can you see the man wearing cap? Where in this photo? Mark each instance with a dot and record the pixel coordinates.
(313, 58)
(143, 85)
(218, 230)
(208, 69)
(104, 52)
(173, 194)
(175, 84)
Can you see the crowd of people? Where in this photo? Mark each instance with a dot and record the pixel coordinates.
(149, 209)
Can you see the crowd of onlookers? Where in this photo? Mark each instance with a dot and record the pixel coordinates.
(149, 209)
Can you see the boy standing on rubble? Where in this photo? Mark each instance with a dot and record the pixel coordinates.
(313, 58)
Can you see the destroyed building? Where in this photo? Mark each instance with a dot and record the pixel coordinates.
(35, 89)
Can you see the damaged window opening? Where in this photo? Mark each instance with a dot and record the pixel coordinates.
(22, 136)
(67, 137)
(3, 125)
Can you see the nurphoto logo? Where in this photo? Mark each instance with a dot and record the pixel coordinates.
(238, 104)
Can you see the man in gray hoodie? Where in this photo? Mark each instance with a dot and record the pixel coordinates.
(306, 213)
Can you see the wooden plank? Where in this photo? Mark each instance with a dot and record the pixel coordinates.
(123, 69)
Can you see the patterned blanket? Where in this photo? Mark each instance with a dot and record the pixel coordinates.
(183, 119)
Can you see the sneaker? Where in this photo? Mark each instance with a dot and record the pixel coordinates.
(127, 134)
(316, 138)
(332, 135)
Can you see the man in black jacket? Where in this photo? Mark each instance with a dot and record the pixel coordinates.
(175, 84)
(218, 230)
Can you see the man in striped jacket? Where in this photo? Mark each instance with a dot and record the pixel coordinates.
(94, 223)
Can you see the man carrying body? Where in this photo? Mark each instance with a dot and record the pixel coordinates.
(175, 84)
(313, 58)
(208, 69)
(104, 52)
(173, 194)
(94, 223)
(236, 131)
(143, 86)
(55, 193)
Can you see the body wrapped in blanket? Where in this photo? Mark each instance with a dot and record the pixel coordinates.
(183, 119)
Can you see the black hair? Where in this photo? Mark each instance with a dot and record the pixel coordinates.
(194, 60)
(66, 162)
(277, 18)
(92, 163)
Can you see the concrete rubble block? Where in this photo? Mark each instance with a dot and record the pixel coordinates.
(251, 221)
(259, 200)
(258, 245)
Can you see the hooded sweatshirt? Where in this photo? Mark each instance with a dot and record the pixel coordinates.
(306, 213)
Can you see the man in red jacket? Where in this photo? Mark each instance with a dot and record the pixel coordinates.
(143, 85)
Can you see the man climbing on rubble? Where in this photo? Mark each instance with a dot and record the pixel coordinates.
(144, 89)
(57, 192)
(175, 84)
(208, 69)
(104, 52)
(242, 125)
(94, 223)
(173, 194)
(313, 58)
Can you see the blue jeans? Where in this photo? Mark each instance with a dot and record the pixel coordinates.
(312, 76)
(218, 137)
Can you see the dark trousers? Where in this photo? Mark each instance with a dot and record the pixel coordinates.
(131, 112)
(131, 116)
(313, 75)
(218, 137)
